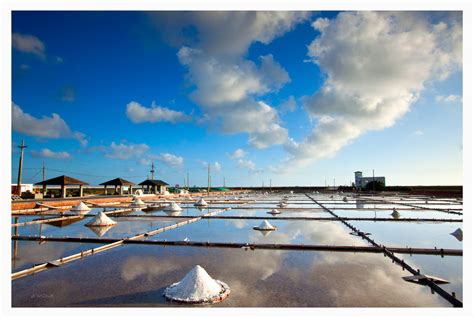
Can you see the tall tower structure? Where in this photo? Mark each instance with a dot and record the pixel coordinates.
(20, 166)
(358, 179)
(152, 170)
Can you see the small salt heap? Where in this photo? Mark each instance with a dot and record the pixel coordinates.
(101, 219)
(282, 204)
(344, 199)
(197, 287)
(265, 226)
(458, 234)
(395, 214)
(172, 207)
(81, 207)
(137, 202)
(274, 212)
(200, 202)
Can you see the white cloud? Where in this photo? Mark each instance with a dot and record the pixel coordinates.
(53, 127)
(227, 86)
(448, 98)
(288, 105)
(376, 63)
(140, 114)
(418, 133)
(238, 153)
(171, 160)
(124, 151)
(246, 164)
(215, 167)
(47, 153)
(28, 44)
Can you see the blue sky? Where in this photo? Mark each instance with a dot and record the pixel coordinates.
(297, 97)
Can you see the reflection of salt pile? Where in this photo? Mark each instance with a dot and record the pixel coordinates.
(81, 207)
(274, 212)
(137, 203)
(101, 219)
(395, 214)
(200, 202)
(172, 207)
(197, 287)
(100, 230)
(265, 226)
(458, 234)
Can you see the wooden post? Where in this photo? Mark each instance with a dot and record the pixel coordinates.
(121, 190)
(20, 167)
(44, 189)
(63, 191)
(105, 189)
(81, 190)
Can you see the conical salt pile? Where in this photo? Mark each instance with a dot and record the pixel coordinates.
(200, 202)
(344, 199)
(265, 226)
(81, 207)
(172, 207)
(197, 287)
(395, 214)
(458, 234)
(282, 204)
(101, 219)
(137, 202)
(274, 211)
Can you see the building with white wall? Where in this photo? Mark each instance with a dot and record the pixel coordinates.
(361, 181)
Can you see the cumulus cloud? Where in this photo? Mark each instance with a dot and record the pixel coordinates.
(288, 105)
(215, 166)
(53, 127)
(448, 98)
(238, 153)
(47, 153)
(171, 160)
(376, 63)
(141, 114)
(125, 151)
(228, 86)
(28, 44)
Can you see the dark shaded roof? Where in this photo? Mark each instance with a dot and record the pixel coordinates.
(118, 181)
(152, 182)
(62, 180)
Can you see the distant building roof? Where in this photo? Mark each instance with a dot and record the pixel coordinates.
(152, 182)
(118, 181)
(62, 180)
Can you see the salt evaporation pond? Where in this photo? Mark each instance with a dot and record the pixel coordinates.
(136, 275)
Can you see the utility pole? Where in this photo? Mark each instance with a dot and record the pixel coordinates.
(152, 170)
(208, 178)
(373, 180)
(224, 182)
(334, 182)
(270, 184)
(20, 168)
(187, 180)
(43, 171)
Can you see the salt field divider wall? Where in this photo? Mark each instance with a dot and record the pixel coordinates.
(252, 246)
(390, 253)
(416, 206)
(237, 217)
(115, 243)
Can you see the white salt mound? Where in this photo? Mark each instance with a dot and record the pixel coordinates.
(80, 207)
(458, 234)
(198, 287)
(173, 206)
(137, 202)
(101, 219)
(200, 202)
(274, 211)
(265, 225)
(395, 214)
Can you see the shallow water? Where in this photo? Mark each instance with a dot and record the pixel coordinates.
(136, 275)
